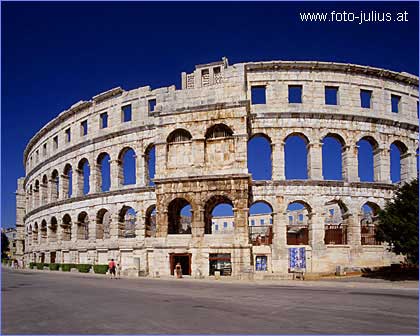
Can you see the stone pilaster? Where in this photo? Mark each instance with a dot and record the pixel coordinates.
(349, 166)
(278, 160)
(314, 161)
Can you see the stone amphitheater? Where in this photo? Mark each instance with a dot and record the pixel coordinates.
(188, 148)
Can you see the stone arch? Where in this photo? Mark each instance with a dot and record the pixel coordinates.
(127, 218)
(150, 164)
(66, 228)
(399, 165)
(296, 156)
(260, 222)
(336, 222)
(179, 223)
(368, 223)
(52, 230)
(35, 233)
(44, 190)
(82, 226)
(103, 221)
(368, 159)
(43, 231)
(55, 184)
(333, 148)
(218, 131)
(299, 220)
(150, 221)
(103, 181)
(179, 135)
(127, 166)
(209, 206)
(260, 157)
(67, 181)
(36, 192)
(83, 175)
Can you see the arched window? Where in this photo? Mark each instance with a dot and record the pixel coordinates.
(54, 185)
(179, 135)
(35, 233)
(365, 158)
(260, 223)
(259, 157)
(398, 162)
(44, 190)
(52, 235)
(67, 181)
(218, 131)
(151, 221)
(332, 160)
(150, 158)
(104, 172)
(30, 238)
(298, 220)
(127, 166)
(83, 226)
(127, 222)
(296, 157)
(336, 224)
(36, 194)
(66, 228)
(103, 219)
(368, 223)
(43, 236)
(83, 175)
(219, 217)
(179, 216)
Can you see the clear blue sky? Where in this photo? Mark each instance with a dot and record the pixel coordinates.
(55, 54)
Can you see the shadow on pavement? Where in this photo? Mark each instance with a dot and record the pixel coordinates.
(395, 272)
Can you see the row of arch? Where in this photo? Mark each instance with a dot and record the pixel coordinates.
(180, 217)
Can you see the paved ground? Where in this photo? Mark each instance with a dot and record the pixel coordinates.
(36, 302)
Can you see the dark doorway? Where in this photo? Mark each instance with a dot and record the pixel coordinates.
(42, 258)
(184, 259)
(52, 257)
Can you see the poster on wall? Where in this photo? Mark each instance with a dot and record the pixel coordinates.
(297, 259)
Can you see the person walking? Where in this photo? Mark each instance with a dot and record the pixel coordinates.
(111, 267)
(118, 271)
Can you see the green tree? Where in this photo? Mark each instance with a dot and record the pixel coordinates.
(399, 222)
(4, 245)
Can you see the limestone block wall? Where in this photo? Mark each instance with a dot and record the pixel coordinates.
(200, 134)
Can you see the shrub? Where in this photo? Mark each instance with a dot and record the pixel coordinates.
(83, 268)
(54, 267)
(40, 266)
(100, 269)
(32, 265)
(67, 267)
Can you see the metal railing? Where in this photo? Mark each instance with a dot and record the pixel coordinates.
(261, 235)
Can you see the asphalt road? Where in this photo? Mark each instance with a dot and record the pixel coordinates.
(49, 303)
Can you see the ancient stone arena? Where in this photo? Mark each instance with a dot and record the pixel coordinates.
(136, 175)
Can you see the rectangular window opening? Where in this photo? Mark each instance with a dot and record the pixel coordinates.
(205, 77)
(68, 135)
(152, 105)
(44, 149)
(217, 74)
(104, 120)
(84, 128)
(295, 94)
(366, 99)
(258, 95)
(395, 103)
(331, 95)
(126, 113)
(55, 142)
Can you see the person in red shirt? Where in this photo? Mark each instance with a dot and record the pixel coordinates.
(111, 267)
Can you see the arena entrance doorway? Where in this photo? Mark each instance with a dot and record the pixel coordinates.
(184, 259)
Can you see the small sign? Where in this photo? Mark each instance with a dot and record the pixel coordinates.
(297, 259)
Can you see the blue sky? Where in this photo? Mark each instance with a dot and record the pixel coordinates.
(55, 54)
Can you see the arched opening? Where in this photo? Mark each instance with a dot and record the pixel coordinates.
(104, 172)
(151, 221)
(43, 229)
(66, 228)
(299, 216)
(368, 223)
(127, 222)
(82, 226)
(44, 190)
(52, 236)
(367, 149)
(54, 185)
(67, 181)
(83, 172)
(332, 157)
(36, 194)
(30, 197)
(127, 166)
(35, 233)
(398, 161)
(150, 161)
(336, 224)
(296, 157)
(219, 216)
(179, 216)
(179, 135)
(218, 131)
(103, 220)
(260, 157)
(260, 222)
